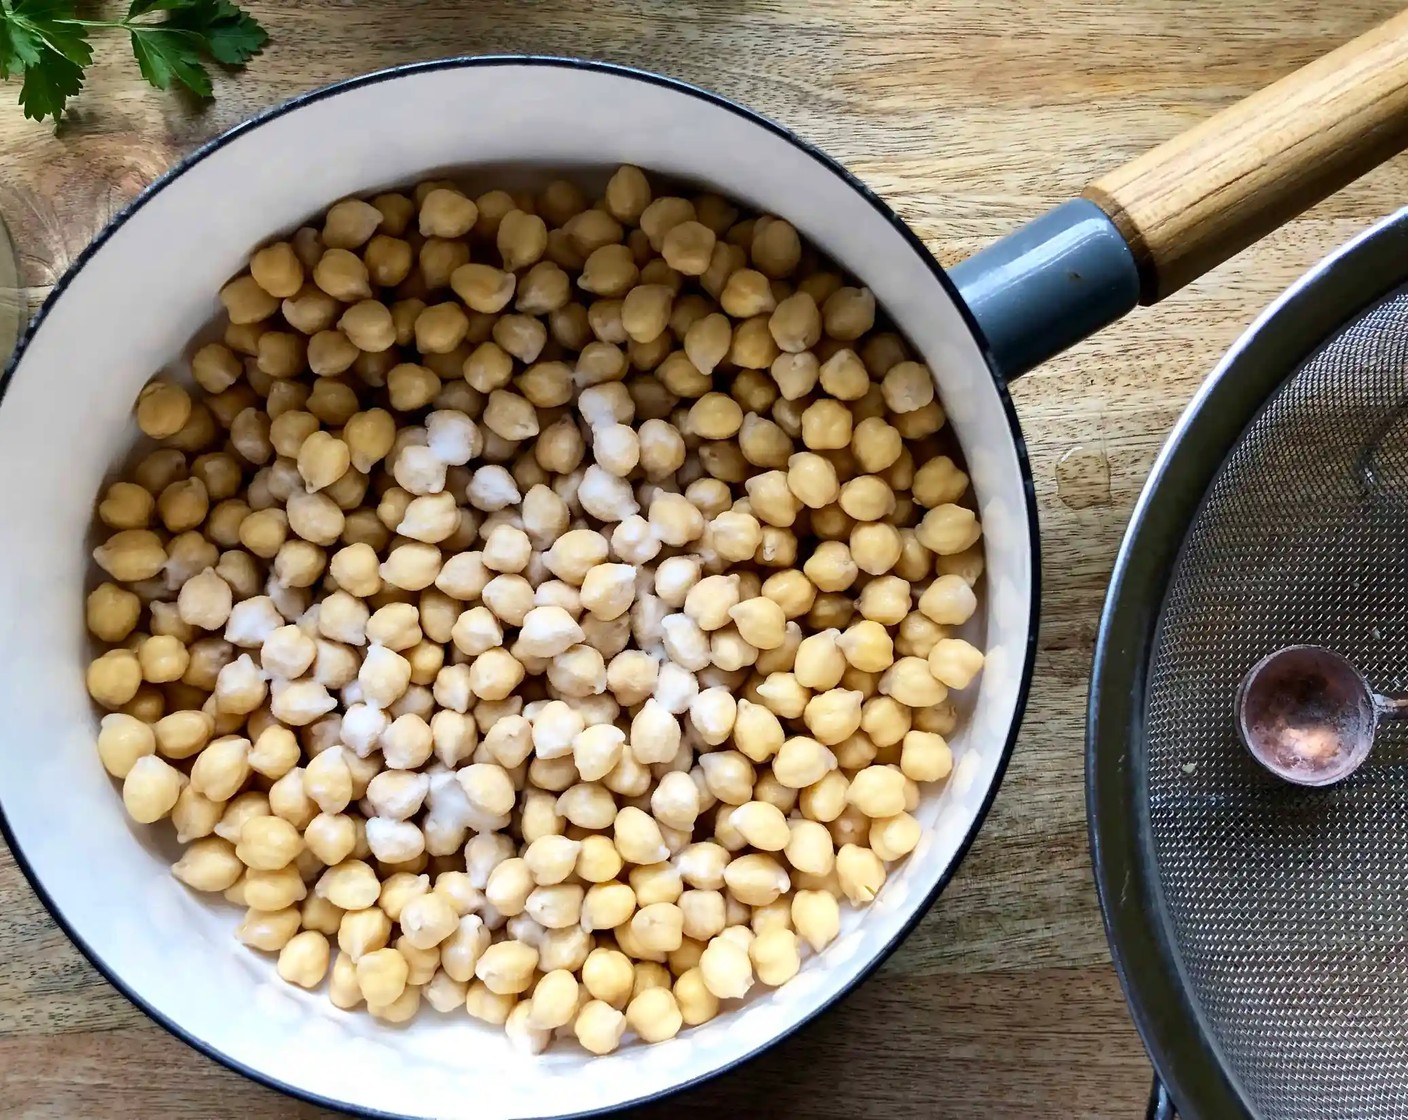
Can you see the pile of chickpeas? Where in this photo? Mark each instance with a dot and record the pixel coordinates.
(549, 602)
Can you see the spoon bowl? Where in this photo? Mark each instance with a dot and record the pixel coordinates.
(1308, 715)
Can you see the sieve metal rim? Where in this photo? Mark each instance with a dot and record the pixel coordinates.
(1146, 957)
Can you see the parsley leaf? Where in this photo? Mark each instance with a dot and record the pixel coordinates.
(46, 42)
(48, 84)
(51, 23)
(231, 36)
(19, 48)
(11, 62)
(141, 7)
(165, 56)
(172, 51)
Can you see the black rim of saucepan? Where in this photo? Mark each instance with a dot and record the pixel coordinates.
(825, 163)
(1184, 1051)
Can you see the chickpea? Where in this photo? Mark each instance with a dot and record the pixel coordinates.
(150, 789)
(131, 555)
(351, 885)
(939, 482)
(725, 968)
(954, 662)
(439, 257)
(801, 762)
(627, 195)
(861, 873)
(277, 270)
(341, 274)
(114, 677)
(910, 682)
(127, 506)
(817, 917)
(281, 354)
(775, 956)
(268, 930)
(688, 247)
(876, 547)
(122, 740)
(428, 919)
(877, 791)
(556, 906)
(968, 564)
(411, 387)
(445, 212)
(645, 311)
(894, 837)
(948, 601)
(209, 864)
(521, 238)
(760, 621)
(747, 293)
(599, 1027)
(849, 313)
(483, 288)
(111, 612)
(925, 757)
(948, 529)
(246, 302)
(506, 968)
(388, 260)
(753, 346)
(440, 329)
(661, 216)
(304, 959)
(381, 975)
(654, 1015)
(221, 769)
(844, 376)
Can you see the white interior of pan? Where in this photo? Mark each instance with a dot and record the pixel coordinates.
(65, 419)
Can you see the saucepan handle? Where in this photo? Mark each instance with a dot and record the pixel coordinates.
(1148, 228)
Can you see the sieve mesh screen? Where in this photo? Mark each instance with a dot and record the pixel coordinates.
(1289, 907)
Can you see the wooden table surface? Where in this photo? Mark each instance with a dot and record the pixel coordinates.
(968, 117)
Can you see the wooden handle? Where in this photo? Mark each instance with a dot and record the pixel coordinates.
(1193, 202)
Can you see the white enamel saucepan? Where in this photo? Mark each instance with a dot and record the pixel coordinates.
(135, 298)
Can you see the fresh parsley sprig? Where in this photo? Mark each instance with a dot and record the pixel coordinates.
(46, 43)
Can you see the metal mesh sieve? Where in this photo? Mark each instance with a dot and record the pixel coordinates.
(1288, 907)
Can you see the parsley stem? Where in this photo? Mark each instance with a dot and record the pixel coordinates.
(117, 24)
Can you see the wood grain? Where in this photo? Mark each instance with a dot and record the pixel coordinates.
(968, 117)
(1201, 197)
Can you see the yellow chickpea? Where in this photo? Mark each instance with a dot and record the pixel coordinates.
(817, 917)
(114, 677)
(747, 293)
(445, 212)
(955, 662)
(111, 612)
(127, 505)
(246, 302)
(860, 872)
(277, 269)
(522, 239)
(304, 959)
(948, 529)
(150, 790)
(342, 274)
(910, 682)
(925, 757)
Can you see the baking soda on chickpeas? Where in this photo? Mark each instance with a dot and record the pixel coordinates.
(542, 607)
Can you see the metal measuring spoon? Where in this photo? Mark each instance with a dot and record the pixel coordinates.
(1309, 716)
